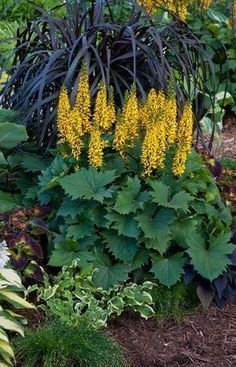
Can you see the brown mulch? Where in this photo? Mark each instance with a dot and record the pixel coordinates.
(228, 144)
(203, 339)
(227, 147)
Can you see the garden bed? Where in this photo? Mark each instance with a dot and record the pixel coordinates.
(202, 339)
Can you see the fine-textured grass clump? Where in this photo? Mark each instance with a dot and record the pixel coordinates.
(173, 302)
(59, 344)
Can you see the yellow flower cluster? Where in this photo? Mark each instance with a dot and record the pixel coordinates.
(96, 148)
(83, 103)
(180, 7)
(151, 123)
(204, 4)
(69, 124)
(74, 123)
(127, 127)
(184, 139)
(154, 144)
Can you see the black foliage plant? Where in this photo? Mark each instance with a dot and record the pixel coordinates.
(146, 50)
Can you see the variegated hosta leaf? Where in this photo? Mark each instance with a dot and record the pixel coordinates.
(15, 299)
(5, 348)
(11, 325)
(3, 336)
(11, 276)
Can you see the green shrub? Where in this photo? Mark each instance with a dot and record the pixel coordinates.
(57, 344)
(126, 225)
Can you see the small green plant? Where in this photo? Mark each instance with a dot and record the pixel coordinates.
(228, 164)
(174, 301)
(57, 344)
(11, 295)
(72, 295)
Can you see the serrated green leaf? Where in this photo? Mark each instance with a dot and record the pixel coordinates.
(161, 247)
(212, 260)
(70, 208)
(183, 231)
(67, 251)
(226, 216)
(88, 184)
(168, 270)
(181, 200)
(126, 225)
(202, 207)
(81, 230)
(159, 226)
(123, 248)
(33, 163)
(108, 275)
(160, 193)
(127, 198)
(140, 259)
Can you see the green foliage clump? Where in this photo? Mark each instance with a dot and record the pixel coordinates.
(72, 295)
(173, 302)
(126, 226)
(57, 344)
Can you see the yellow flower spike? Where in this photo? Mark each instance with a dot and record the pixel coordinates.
(149, 155)
(170, 112)
(127, 127)
(130, 115)
(83, 101)
(184, 140)
(154, 144)
(111, 109)
(69, 125)
(64, 110)
(96, 147)
(101, 112)
(76, 133)
(120, 136)
(152, 106)
(204, 4)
